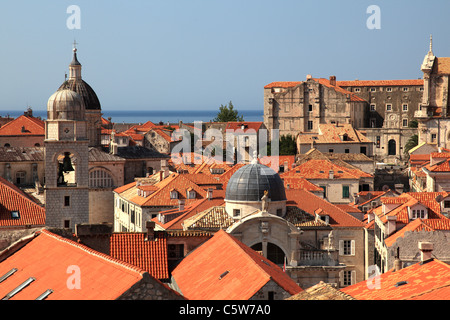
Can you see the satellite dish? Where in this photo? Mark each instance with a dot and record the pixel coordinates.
(385, 187)
(439, 198)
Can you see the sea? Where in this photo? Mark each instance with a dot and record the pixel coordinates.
(155, 116)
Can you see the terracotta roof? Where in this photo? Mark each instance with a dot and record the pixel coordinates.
(248, 125)
(300, 183)
(331, 133)
(19, 154)
(23, 126)
(326, 82)
(420, 281)
(418, 225)
(212, 273)
(213, 219)
(134, 249)
(48, 257)
(14, 199)
(282, 84)
(278, 161)
(319, 169)
(378, 83)
(309, 203)
(321, 291)
(441, 65)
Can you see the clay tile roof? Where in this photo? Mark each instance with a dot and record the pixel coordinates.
(441, 65)
(47, 258)
(430, 280)
(23, 126)
(326, 82)
(377, 83)
(321, 291)
(331, 133)
(14, 199)
(300, 183)
(309, 203)
(282, 84)
(134, 249)
(213, 219)
(212, 273)
(252, 125)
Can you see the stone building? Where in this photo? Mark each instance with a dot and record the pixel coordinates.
(25, 131)
(293, 107)
(66, 161)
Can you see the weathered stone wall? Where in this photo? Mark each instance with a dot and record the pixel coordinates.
(150, 289)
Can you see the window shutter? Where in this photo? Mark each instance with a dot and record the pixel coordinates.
(353, 247)
(353, 280)
(341, 247)
(341, 279)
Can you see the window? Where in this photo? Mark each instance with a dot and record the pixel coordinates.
(405, 107)
(347, 151)
(66, 224)
(373, 123)
(446, 204)
(173, 194)
(236, 212)
(191, 194)
(421, 89)
(345, 192)
(20, 177)
(389, 107)
(330, 150)
(7, 145)
(389, 89)
(363, 150)
(100, 179)
(373, 89)
(405, 89)
(310, 125)
(433, 137)
(310, 109)
(373, 107)
(405, 122)
(378, 143)
(418, 214)
(347, 247)
(324, 191)
(357, 89)
(347, 278)
(15, 214)
(67, 201)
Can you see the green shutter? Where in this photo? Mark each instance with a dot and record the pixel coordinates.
(345, 192)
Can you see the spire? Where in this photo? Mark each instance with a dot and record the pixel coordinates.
(75, 65)
(431, 44)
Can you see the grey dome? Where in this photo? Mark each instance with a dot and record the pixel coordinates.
(65, 105)
(249, 183)
(87, 94)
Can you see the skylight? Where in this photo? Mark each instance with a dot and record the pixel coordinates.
(223, 275)
(45, 294)
(15, 214)
(7, 275)
(19, 288)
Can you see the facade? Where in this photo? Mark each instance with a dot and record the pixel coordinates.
(293, 107)
(66, 161)
(25, 131)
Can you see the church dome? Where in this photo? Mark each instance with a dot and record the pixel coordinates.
(87, 94)
(65, 105)
(249, 183)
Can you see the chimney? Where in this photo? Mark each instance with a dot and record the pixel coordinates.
(180, 205)
(397, 261)
(426, 248)
(391, 226)
(150, 225)
(165, 168)
(399, 188)
(210, 193)
(331, 174)
(333, 80)
(308, 76)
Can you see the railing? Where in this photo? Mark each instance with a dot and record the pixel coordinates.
(316, 258)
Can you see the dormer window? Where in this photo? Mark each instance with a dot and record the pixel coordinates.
(191, 193)
(418, 214)
(173, 194)
(15, 214)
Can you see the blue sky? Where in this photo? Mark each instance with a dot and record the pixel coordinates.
(199, 54)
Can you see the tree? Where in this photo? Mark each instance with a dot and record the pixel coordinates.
(413, 123)
(411, 143)
(227, 113)
(287, 146)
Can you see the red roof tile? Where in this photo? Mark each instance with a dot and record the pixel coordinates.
(48, 257)
(282, 84)
(377, 83)
(237, 273)
(430, 280)
(23, 126)
(150, 256)
(14, 199)
(309, 203)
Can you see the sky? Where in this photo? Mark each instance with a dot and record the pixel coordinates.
(199, 54)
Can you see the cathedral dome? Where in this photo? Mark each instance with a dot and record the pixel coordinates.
(77, 84)
(65, 105)
(249, 183)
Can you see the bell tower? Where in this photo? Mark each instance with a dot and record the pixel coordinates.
(66, 161)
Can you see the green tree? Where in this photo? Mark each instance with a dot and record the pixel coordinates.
(286, 147)
(411, 143)
(413, 123)
(228, 113)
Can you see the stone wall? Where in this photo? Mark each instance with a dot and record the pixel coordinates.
(150, 289)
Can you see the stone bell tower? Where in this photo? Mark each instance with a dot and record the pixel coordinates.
(66, 161)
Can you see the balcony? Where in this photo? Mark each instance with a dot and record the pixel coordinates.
(310, 257)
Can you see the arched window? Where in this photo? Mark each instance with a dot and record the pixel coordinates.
(7, 145)
(392, 147)
(274, 252)
(100, 179)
